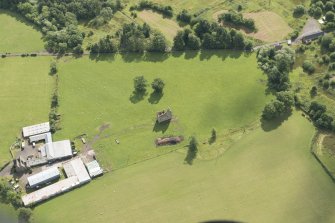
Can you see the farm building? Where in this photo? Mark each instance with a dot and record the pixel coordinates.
(94, 168)
(35, 129)
(56, 150)
(45, 136)
(312, 36)
(43, 177)
(76, 175)
(163, 116)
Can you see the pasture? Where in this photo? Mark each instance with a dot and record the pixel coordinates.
(265, 174)
(25, 94)
(206, 90)
(17, 35)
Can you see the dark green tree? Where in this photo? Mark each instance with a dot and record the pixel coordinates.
(140, 84)
(158, 85)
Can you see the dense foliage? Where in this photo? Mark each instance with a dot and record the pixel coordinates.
(320, 8)
(210, 36)
(8, 195)
(162, 9)
(276, 108)
(276, 64)
(236, 19)
(140, 84)
(104, 45)
(184, 16)
(317, 112)
(58, 19)
(158, 85)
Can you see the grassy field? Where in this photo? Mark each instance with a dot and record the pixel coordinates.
(203, 93)
(271, 27)
(16, 35)
(24, 97)
(167, 26)
(7, 214)
(263, 176)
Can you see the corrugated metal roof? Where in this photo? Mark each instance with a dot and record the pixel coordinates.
(43, 176)
(77, 168)
(94, 168)
(36, 129)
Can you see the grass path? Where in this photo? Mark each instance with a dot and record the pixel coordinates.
(265, 177)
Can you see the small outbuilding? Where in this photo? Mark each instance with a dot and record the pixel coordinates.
(312, 36)
(163, 116)
(94, 168)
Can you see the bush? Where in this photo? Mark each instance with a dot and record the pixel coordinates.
(308, 67)
(25, 214)
(184, 16)
(236, 19)
(165, 10)
(140, 84)
(299, 11)
(158, 85)
(53, 67)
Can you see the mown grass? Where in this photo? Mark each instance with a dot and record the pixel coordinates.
(17, 35)
(262, 176)
(216, 89)
(25, 92)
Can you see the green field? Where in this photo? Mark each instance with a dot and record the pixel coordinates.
(25, 92)
(17, 35)
(203, 93)
(265, 177)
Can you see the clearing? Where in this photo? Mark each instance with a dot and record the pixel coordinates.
(271, 27)
(24, 97)
(205, 90)
(261, 177)
(167, 26)
(17, 35)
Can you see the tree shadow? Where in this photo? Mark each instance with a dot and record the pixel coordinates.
(132, 57)
(155, 97)
(155, 56)
(109, 57)
(137, 96)
(190, 54)
(161, 127)
(177, 53)
(190, 156)
(269, 125)
(223, 54)
(211, 140)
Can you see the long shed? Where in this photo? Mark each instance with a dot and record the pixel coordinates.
(43, 177)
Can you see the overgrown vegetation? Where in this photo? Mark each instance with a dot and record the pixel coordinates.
(326, 8)
(162, 9)
(276, 64)
(236, 20)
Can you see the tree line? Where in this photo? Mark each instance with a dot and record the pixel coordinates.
(237, 20)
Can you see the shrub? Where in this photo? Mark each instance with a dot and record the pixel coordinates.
(308, 67)
(184, 16)
(299, 11)
(25, 214)
(53, 67)
(158, 85)
(140, 84)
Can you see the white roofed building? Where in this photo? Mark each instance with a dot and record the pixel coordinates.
(94, 168)
(35, 129)
(57, 150)
(43, 177)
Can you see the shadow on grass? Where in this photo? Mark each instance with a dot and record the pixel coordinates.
(155, 57)
(223, 54)
(190, 156)
(20, 18)
(155, 97)
(211, 140)
(102, 57)
(190, 54)
(137, 96)
(275, 123)
(161, 127)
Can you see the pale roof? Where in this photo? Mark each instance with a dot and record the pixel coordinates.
(77, 168)
(43, 176)
(50, 191)
(36, 129)
(57, 150)
(94, 168)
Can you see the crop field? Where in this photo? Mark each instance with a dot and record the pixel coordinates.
(25, 94)
(167, 26)
(265, 174)
(204, 91)
(17, 35)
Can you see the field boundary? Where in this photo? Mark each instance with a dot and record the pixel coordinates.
(314, 148)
